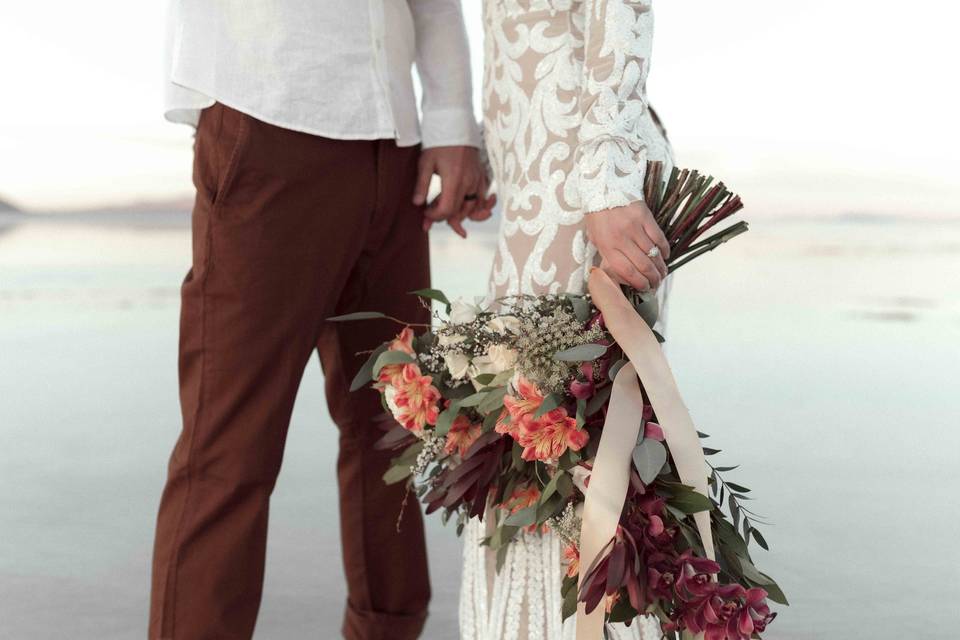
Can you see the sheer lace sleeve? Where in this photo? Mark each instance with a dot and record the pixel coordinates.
(611, 151)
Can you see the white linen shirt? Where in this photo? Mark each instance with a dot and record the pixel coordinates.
(334, 68)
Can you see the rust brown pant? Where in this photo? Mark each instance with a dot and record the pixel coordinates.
(288, 229)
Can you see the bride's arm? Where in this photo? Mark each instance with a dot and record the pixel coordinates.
(611, 151)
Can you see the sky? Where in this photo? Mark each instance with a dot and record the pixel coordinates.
(820, 107)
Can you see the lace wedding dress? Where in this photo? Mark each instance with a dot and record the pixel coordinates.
(568, 132)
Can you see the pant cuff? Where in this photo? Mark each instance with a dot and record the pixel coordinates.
(374, 625)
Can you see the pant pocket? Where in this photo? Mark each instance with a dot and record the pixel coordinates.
(230, 142)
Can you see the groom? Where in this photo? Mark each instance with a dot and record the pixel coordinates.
(310, 202)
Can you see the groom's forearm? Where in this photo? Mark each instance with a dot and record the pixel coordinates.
(443, 65)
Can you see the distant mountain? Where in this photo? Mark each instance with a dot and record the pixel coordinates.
(171, 205)
(6, 207)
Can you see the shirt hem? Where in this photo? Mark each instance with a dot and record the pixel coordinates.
(170, 114)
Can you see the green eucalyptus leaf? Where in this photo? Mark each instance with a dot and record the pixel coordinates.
(523, 518)
(774, 592)
(493, 401)
(569, 604)
(760, 539)
(390, 357)
(649, 308)
(734, 511)
(549, 508)
(484, 378)
(648, 457)
(679, 515)
(615, 368)
(598, 400)
(549, 403)
(581, 353)
(365, 375)
(433, 294)
(564, 485)
(397, 474)
(622, 612)
(501, 557)
(691, 502)
(473, 400)
(581, 308)
(751, 573)
(357, 315)
(446, 418)
(516, 457)
(490, 422)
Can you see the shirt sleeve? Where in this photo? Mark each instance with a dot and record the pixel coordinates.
(443, 64)
(611, 150)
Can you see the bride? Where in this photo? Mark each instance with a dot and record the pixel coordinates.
(568, 130)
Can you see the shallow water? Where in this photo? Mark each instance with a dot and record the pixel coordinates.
(822, 355)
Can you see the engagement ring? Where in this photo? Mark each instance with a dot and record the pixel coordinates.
(653, 253)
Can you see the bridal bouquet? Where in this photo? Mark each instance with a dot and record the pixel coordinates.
(500, 412)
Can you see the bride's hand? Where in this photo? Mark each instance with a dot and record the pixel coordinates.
(624, 236)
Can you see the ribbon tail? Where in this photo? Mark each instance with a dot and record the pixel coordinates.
(610, 477)
(609, 481)
(642, 348)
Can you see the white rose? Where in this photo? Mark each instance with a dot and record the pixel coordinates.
(504, 324)
(446, 340)
(501, 357)
(390, 394)
(579, 475)
(480, 366)
(458, 365)
(463, 313)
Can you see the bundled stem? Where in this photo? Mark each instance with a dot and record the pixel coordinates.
(686, 205)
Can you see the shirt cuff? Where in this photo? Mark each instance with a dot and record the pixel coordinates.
(450, 128)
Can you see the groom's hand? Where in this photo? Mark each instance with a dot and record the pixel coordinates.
(463, 187)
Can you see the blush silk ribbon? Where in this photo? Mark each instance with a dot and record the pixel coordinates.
(611, 468)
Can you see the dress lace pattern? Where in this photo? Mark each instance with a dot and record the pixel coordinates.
(567, 129)
(568, 132)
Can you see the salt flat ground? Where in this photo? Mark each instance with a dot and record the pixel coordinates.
(822, 356)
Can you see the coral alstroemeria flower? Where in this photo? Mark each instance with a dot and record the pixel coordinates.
(571, 554)
(416, 399)
(522, 406)
(521, 498)
(505, 425)
(463, 433)
(550, 435)
(519, 408)
(403, 343)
